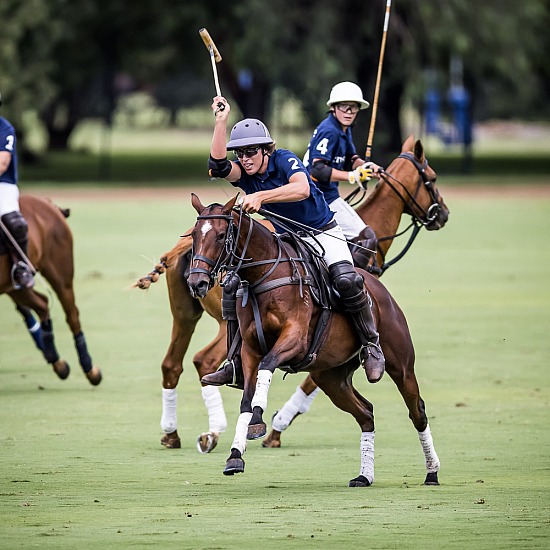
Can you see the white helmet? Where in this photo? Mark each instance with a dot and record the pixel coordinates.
(344, 92)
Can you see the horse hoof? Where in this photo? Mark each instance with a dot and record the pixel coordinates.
(171, 441)
(255, 431)
(233, 466)
(61, 368)
(94, 376)
(207, 442)
(431, 479)
(359, 481)
(272, 441)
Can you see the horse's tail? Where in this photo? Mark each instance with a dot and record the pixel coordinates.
(167, 260)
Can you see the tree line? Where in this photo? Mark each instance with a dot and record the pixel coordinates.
(68, 60)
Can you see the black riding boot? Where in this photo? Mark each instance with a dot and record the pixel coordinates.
(231, 372)
(349, 285)
(21, 274)
(368, 242)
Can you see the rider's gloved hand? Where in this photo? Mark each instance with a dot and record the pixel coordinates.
(361, 175)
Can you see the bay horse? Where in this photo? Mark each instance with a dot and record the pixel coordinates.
(278, 311)
(408, 186)
(50, 252)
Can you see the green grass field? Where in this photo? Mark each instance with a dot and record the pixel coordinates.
(82, 467)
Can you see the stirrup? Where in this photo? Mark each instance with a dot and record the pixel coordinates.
(21, 276)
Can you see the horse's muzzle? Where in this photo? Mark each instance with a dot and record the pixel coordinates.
(198, 285)
(440, 219)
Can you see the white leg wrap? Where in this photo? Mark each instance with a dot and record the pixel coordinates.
(367, 456)
(241, 430)
(169, 418)
(262, 389)
(432, 460)
(217, 421)
(298, 403)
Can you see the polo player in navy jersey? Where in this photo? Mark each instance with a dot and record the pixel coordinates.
(277, 181)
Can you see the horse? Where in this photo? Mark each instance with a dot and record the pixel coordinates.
(279, 311)
(407, 186)
(50, 253)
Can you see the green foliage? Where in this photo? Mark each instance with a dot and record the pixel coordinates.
(83, 467)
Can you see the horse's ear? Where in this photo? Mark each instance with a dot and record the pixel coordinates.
(230, 204)
(419, 151)
(196, 202)
(408, 144)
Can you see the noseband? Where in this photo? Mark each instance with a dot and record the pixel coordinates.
(228, 259)
(225, 253)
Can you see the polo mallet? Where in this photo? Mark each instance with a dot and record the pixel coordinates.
(215, 57)
(378, 78)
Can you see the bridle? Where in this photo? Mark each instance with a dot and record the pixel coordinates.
(227, 252)
(427, 216)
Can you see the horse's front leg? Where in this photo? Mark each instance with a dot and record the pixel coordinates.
(235, 462)
(286, 348)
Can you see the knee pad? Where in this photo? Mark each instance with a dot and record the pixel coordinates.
(17, 225)
(346, 281)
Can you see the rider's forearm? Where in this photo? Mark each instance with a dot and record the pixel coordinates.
(217, 148)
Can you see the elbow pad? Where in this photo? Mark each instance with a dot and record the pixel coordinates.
(320, 172)
(219, 168)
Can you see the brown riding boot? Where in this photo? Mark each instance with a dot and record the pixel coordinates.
(224, 375)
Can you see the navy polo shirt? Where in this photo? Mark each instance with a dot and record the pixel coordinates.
(330, 143)
(313, 211)
(7, 143)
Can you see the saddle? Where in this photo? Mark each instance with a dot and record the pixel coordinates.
(316, 277)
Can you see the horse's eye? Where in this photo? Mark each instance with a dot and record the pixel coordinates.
(220, 237)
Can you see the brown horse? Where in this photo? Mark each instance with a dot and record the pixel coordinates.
(407, 186)
(51, 254)
(278, 314)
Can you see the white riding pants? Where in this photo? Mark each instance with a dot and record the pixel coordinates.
(9, 198)
(347, 218)
(334, 244)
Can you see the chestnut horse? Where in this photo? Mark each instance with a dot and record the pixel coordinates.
(407, 186)
(51, 254)
(278, 315)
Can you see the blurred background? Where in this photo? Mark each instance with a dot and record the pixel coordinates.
(117, 90)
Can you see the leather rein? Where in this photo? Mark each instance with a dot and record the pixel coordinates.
(417, 222)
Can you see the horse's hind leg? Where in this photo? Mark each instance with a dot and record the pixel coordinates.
(336, 383)
(33, 326)
(30, 299)
(62, 283)
(299, 403)
(407, 385)
(207, 361)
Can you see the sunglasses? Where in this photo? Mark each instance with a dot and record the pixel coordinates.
(249, 152)
(348, 108)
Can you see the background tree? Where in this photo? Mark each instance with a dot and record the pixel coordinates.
(63, 58)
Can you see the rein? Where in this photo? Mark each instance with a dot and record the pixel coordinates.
(417, 222)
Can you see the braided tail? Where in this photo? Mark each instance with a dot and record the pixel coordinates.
(153, 276)
(169, 259)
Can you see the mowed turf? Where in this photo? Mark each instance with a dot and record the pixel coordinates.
(82, 467)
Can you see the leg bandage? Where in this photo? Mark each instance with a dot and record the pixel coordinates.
(169, 418)
(262, 389)
(217, 421)
(299, 403)
(367, 456)
(241, 430)
(432, 460)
